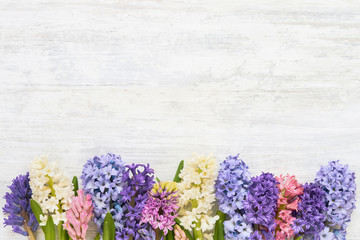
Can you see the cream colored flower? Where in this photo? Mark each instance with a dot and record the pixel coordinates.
(197, 187)
(58, 217)
(43, 220)
(50, 188)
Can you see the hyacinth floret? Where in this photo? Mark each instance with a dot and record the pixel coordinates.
(287, 204)
(138, 180)
(198, 195)
(102, 179)
(161, 206)
(339, 185)
(310, 216)
(231, 190)
(51, 189)
(17, 207)
(261, 205)
(78, 216)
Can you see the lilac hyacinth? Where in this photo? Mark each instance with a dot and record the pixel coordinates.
(310, 215)
(138, 180)
(231, 188)
(102, 180)
(260, 205)
(17, 207)
(339, 185)
(161, 207)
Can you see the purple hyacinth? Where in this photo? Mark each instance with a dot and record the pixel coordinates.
(310, 215)
(138, 180)
(339, 185)
(260, 205)
(102, 180)
(231, 190)
(20, 216)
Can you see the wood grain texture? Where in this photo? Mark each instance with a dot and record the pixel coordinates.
(155, 81)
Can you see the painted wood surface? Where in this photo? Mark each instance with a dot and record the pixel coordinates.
(155, 81)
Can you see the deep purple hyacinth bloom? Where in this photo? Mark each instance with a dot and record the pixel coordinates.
(310, 215)
(102, 180)
(20, 216)
(138, 179)
(231, 189)
(260, 205)
(339, 185)
(256, 236)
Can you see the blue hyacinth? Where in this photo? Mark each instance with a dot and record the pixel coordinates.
(339, 185)
(231, 190)
(102, 180)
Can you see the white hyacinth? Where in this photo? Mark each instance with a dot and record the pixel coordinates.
(198, 195)
(50, 189)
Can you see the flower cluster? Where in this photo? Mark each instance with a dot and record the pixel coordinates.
(339, 185)
(197, 194)
(134, 207)
(51, 189)
(287, 204)
(20, 218)
(261, 204)
(138, 180)
(231, 190)
(102, 180)
(78, 216)
(161, 207)
(310, 214)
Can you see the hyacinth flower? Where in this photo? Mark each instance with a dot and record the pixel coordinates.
(261, 204)
(338, 182)
(161, 207)
(287, 204)
(179, 234)
(138, 180)
(78, 216)
(231, 188)
(197, 196)
(52, 193)
(17, 207)
(102, 180)
(310, 216)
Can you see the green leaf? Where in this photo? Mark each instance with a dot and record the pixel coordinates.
(35, 207)
(180, 167)
(50, 229)
(106, 230)
(109, 227)
(170, 235)
(219, 226)
(76, 185)
(216, 231)
(63, 234)
(158, 180)
(187, 233)
(97, 237)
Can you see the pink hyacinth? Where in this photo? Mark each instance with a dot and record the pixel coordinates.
(289, 190)
(161, 207)
(78, 216)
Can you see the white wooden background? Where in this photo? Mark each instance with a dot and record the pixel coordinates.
(155, 81)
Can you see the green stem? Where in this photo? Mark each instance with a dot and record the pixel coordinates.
(51, 185)
(197, 231)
